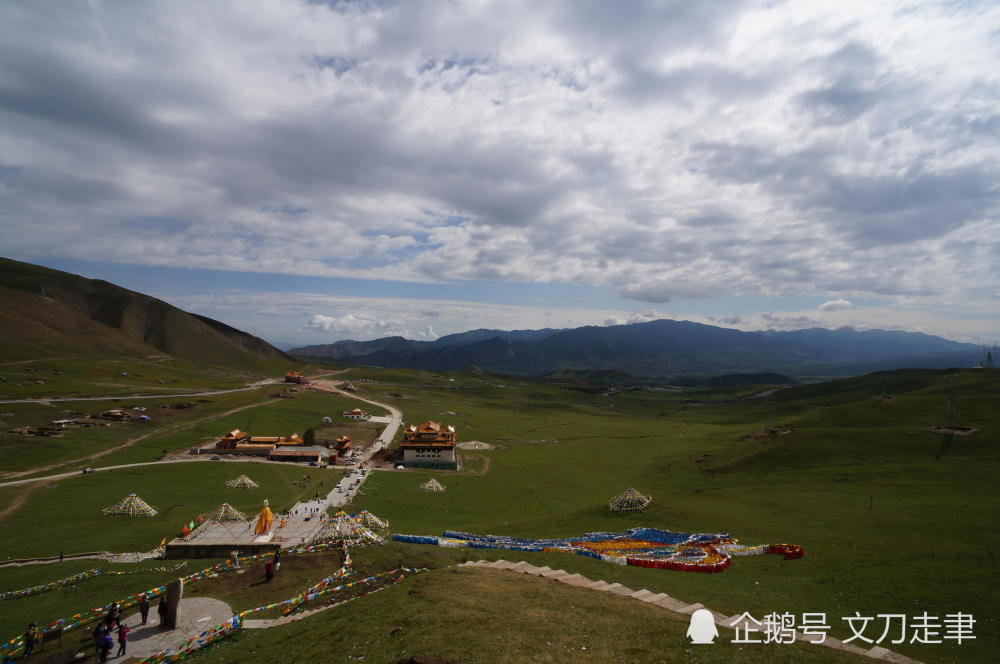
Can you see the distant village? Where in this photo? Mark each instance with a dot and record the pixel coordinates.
(103, 419)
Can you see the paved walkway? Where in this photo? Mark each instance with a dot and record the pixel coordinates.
(345, 490)
(679, 606)
(196, 615)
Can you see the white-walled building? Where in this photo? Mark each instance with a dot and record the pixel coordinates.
(429, 445)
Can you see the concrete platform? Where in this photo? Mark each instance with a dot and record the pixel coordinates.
(217, 540)
(197, 614)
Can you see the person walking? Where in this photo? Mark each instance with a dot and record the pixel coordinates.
(104, 645)
(144, 608)
(98, 633)
(122, 639)
(161, 610)
(30, 637)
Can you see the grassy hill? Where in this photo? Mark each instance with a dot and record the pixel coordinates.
(894, 517)
(56, 313)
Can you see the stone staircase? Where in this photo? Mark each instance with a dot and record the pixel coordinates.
(673, 604)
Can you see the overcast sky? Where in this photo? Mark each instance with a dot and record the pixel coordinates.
(328, 170)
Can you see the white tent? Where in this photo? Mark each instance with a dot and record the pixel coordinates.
(130, 506)
(629, 501)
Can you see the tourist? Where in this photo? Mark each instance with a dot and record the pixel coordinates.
(144, 607)
(30, 637)
(114, 615)
(104, 645)
(98, 633)
(161, 610)
(122, 639)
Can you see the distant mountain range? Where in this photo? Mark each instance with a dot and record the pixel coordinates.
(656, 348)
(52, 312)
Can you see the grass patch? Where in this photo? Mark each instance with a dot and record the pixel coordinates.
(491, 616)
(68, 517)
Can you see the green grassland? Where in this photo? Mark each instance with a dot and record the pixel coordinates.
(894, 518)
(22, 452)
(487, 616)
(88, 594)
(68, 518)
(169, 430)
(87, 377)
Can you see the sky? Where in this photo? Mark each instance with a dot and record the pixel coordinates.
(315, 171)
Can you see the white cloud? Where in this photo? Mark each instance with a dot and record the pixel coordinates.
(356, 325)
(428, 334)
(836, 305)
(635, 317)
(676, 150)
(292, 318)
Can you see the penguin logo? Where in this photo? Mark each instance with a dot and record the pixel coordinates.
(702, 628)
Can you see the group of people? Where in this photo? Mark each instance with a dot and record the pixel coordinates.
(107, 629)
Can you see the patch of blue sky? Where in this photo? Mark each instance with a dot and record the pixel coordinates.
(166, 281)
(157, 280)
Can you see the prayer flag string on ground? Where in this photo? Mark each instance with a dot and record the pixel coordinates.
(16, 644)
(232, 625)
(77, 578)
(351, 529)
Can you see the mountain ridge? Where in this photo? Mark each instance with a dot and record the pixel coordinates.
(661, 347)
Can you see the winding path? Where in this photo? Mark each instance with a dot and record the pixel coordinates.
(348, 487)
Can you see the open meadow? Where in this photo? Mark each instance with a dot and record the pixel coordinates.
(894, 518)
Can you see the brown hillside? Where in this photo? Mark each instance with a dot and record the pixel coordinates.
(53, 311)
